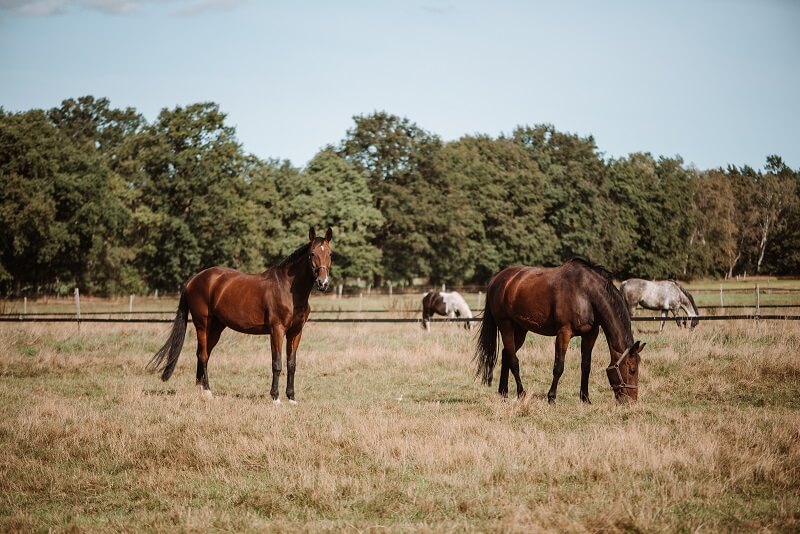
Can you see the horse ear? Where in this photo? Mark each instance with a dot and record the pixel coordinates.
(312, 234)
(638, 347)
(329, 234)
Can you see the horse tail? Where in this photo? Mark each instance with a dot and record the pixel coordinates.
(171, 350)
(486, 349)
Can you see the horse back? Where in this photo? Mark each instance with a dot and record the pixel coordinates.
(245, 302)
(541, 299)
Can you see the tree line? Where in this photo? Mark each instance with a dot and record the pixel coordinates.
(99, 197)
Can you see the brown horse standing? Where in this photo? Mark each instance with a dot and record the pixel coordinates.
(574, 299)
(274, 302)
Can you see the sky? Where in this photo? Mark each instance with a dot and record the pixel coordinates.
(716, 82)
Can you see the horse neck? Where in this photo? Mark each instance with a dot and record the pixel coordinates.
(687, 303)
(614, 320)
(300, 277)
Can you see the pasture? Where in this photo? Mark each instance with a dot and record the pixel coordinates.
(392, 433)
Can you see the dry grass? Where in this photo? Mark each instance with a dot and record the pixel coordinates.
(392, 433)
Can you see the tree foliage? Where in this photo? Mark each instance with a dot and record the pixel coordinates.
(98, 197)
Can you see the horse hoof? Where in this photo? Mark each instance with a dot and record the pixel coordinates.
(292, 401)
(551, 400)
(206, 394)
(276, 401)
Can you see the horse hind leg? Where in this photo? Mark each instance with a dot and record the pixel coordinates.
(207, 339)
(508, 352)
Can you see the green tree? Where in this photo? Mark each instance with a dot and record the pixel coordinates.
(712, 246)
(192, 208)
(657, 199)
(398, 159)
(498, 204)
(58, 206)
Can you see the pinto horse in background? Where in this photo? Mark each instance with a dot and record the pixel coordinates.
(450, 304)
(575, 299)
(664, 296)
(274, 302)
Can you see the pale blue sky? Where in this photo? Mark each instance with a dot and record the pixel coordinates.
(714, 81)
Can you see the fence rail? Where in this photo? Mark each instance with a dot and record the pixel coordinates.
(73, 319)
(35, 315)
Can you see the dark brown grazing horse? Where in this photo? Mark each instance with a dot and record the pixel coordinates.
(575, 299)
(274, 302)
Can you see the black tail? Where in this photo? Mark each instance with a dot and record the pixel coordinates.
(486, 349)
(171, 350)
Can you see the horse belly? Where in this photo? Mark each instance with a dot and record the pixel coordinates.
(243, 311)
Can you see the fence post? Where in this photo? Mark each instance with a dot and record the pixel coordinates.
(390, 289)
(721, 303)
(360, 298)
(78, 307)
(478, 307)
(156, 294)
(341, 286)
(24, 305)
(130, 304)
(443, 288)
(758, 301)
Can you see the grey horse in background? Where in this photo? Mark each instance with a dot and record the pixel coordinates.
(664, 296)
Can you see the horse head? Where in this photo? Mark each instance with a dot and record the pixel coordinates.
(320, 257)
(623, 375)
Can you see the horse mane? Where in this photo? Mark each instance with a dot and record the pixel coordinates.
(613, 294)
(599, 269)
(688, 295)
(294, 256)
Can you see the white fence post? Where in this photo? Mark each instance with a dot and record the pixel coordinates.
(130, 304)
(478, 307)
(25, 305)
(721, 302)
(78, 307)
(758, 301)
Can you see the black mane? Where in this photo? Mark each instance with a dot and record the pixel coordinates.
(599, 269)
(613, 294)
(296, 255)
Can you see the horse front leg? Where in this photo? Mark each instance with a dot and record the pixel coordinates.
(663, 320)
(587, 344)
(562, 342)
(676, 314)
(276, 344)
(292, 342)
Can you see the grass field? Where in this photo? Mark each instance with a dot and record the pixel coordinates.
(392, 433)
